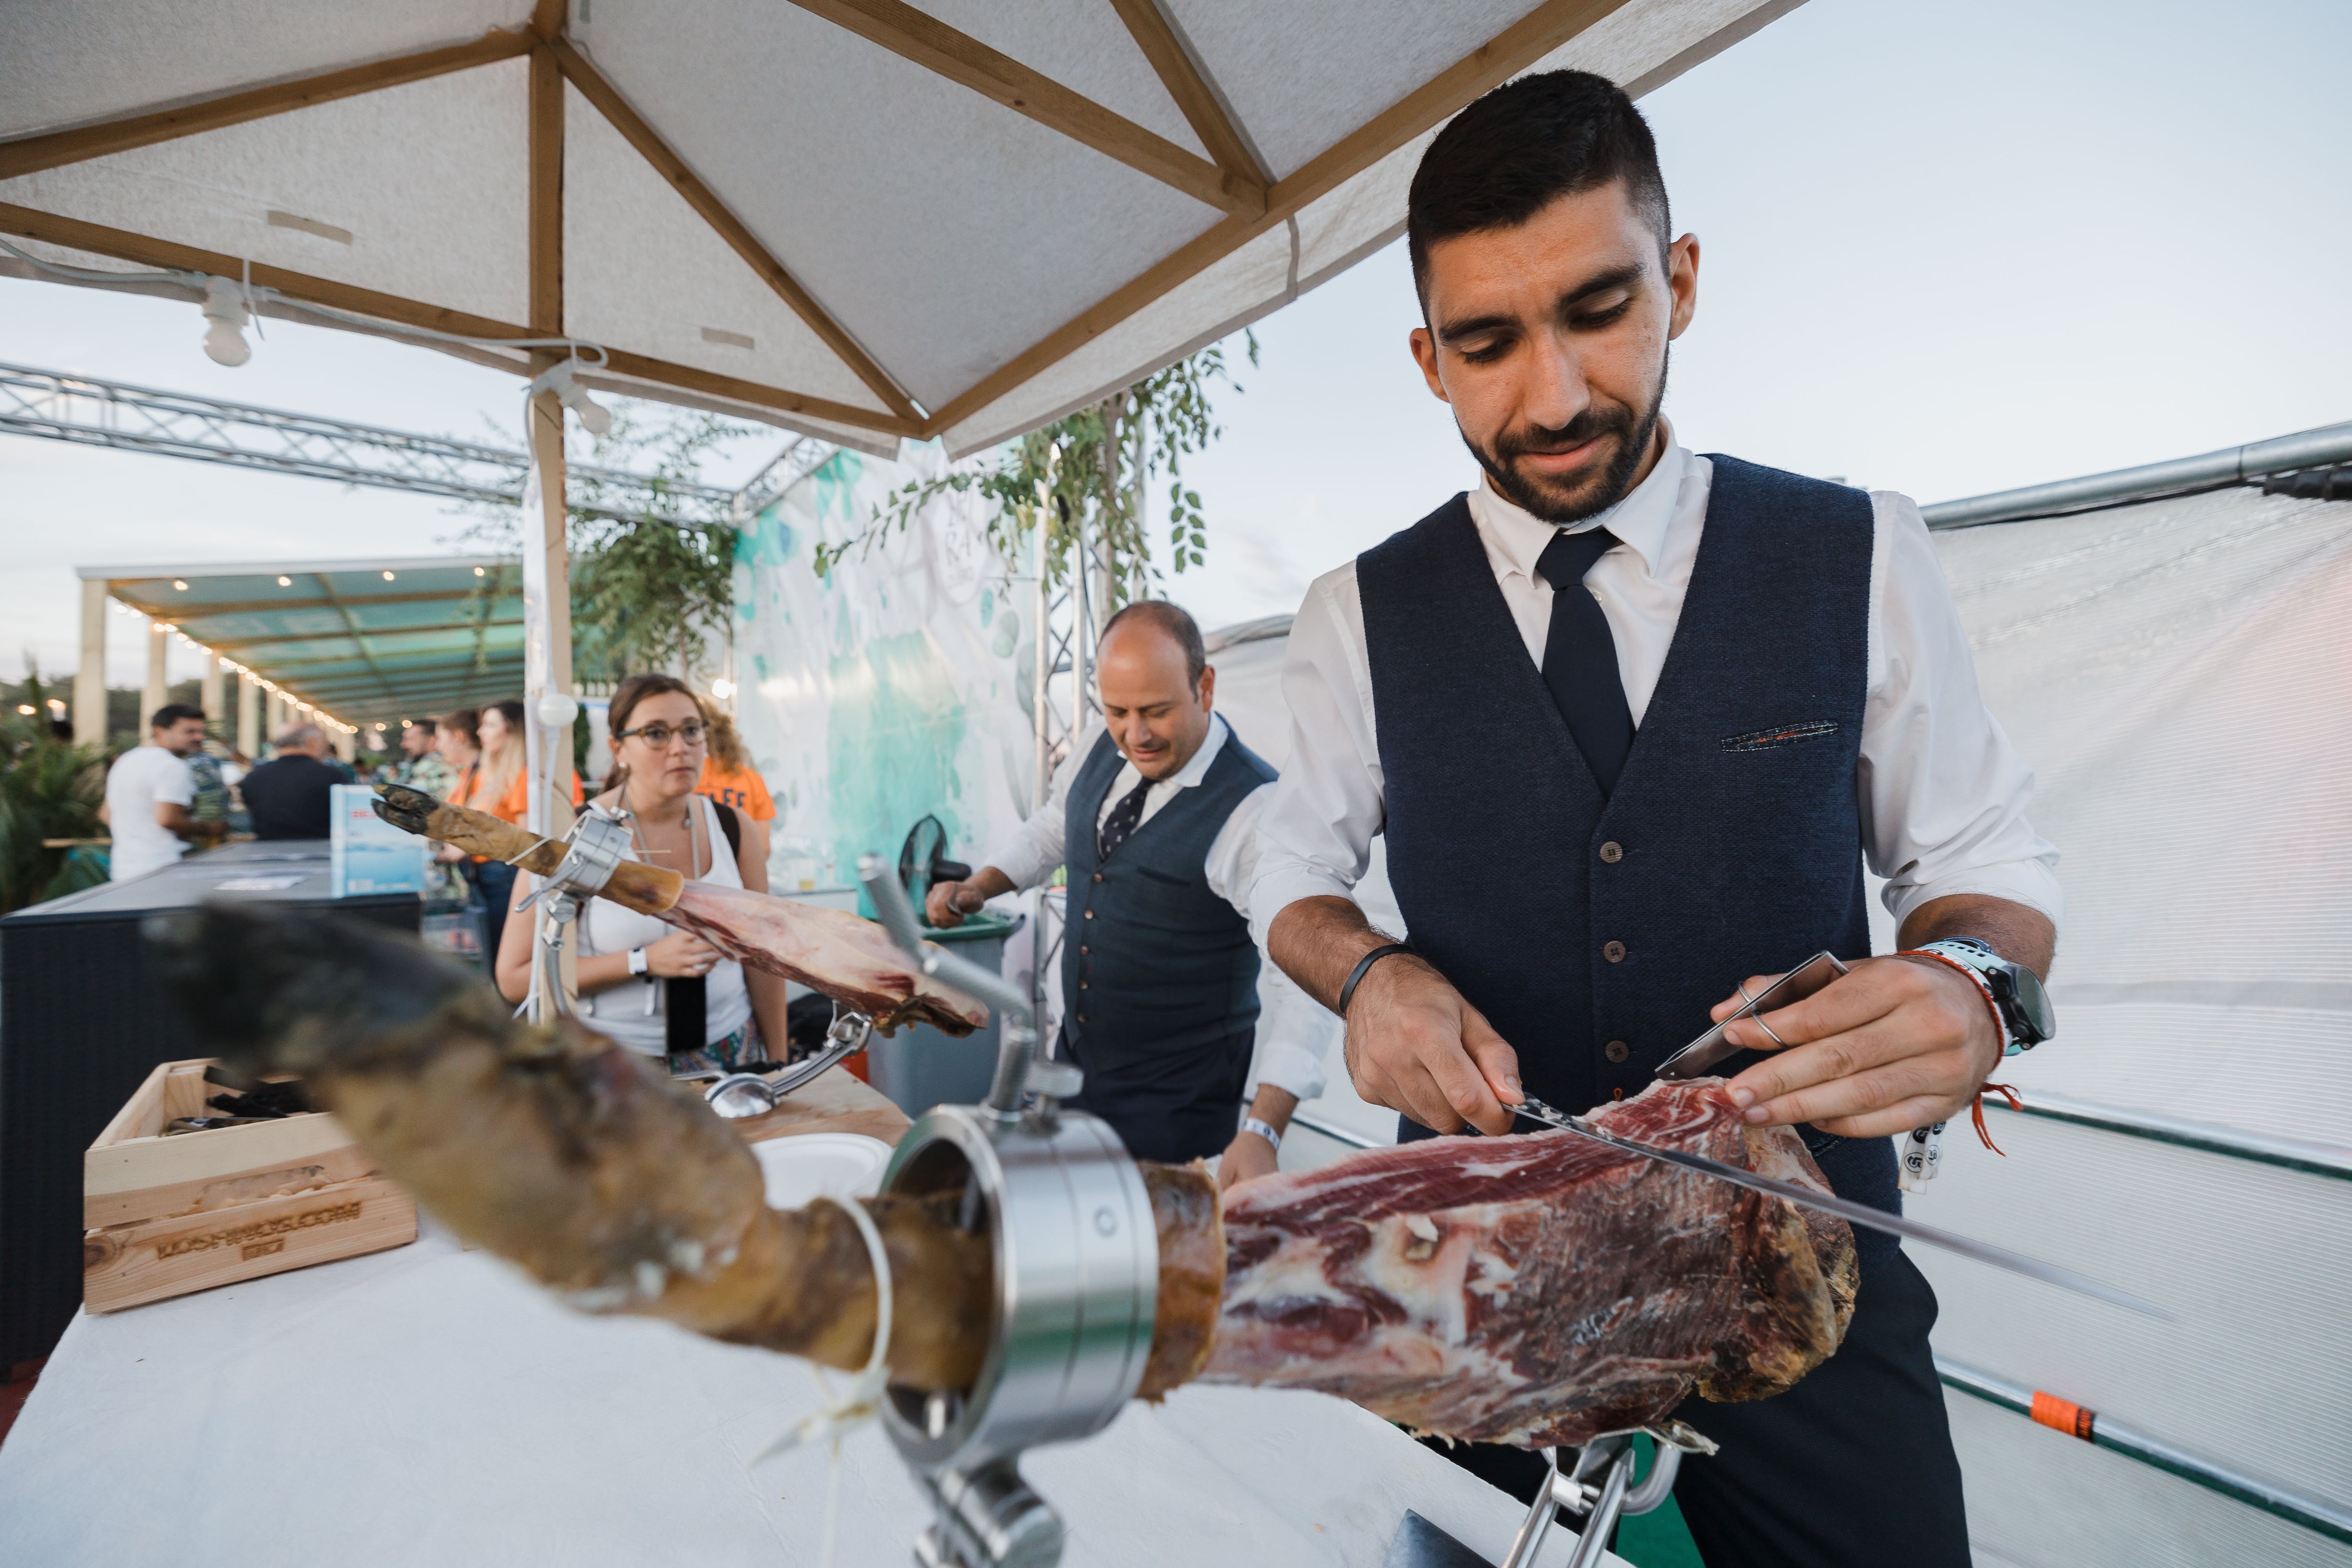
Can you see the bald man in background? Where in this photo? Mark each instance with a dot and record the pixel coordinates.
(1155, 814)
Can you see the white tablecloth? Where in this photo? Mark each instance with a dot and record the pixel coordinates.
(429, 1407)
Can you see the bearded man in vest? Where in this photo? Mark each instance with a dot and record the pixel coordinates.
(1155, 814)
(1632, 720)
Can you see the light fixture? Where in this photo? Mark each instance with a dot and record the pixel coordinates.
(480, 572)
(161, 626)
(26, 708)
(57, 707)
(722, 689)
(180, 583)
(595, 417)
(288, 582)
(387, 576)
(225, 308)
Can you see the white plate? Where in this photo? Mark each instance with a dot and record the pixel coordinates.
(821, 1164)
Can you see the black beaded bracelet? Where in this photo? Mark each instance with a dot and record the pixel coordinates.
(1363, 966)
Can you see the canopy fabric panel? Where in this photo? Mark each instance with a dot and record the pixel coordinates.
(366, 641)
(862, 219)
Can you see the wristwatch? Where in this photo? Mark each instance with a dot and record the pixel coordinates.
(2016, 991)
(637, 960)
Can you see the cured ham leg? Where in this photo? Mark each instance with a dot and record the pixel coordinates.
(1532, 1289)
(853, 960)
(618, 1189)
(1538, 1290)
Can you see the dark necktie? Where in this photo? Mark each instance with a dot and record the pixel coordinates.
(1121, 821)
(1580, 662)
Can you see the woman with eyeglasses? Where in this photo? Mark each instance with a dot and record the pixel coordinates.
(659, 990)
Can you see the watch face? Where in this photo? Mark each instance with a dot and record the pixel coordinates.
(2033, 1009)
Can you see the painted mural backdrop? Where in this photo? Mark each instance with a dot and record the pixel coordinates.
(893, 688)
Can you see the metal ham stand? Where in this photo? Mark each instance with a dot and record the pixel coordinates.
(597, 843)
(1599, 1485)
(1077, 1276)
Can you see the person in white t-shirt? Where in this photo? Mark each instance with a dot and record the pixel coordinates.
(149, 791)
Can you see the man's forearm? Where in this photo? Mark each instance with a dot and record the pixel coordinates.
(991, 883)
(2017, 932)
(1318, 943)
(1273, 1106)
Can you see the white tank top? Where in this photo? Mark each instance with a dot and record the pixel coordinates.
(632, 1011)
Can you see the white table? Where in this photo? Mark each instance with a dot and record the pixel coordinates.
(430, 1406)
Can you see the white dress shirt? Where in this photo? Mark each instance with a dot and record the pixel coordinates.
(1943, 794)
(1293, 1030)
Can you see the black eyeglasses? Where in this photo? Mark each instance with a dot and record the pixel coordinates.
(658, 736)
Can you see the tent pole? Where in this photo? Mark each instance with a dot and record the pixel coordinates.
(89, 677)
(248, 716)
(158, 683)
(209, 696)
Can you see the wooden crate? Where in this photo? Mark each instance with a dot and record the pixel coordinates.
(168, 1216)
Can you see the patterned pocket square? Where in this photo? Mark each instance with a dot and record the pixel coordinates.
(1780, 735)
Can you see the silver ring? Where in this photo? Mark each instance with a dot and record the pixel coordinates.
(1758, 1018)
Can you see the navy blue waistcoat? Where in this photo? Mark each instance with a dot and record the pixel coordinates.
(1152, 961)
(1584, 927)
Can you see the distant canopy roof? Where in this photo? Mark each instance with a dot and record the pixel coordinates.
(849, 217)
(366, 641)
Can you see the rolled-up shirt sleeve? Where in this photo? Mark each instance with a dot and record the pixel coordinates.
(1944, 795)
(1293, 1031)
(1316, 838)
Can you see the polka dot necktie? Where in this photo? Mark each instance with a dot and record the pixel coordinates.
(1580, 662)
(1120, 824)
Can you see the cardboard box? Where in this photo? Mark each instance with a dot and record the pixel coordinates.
(167, 1216)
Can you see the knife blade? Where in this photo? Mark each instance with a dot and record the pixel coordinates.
(1848, 1210)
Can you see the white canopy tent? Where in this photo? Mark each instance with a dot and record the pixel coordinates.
(850, 217)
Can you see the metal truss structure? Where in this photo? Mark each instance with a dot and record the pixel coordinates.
(88, 412)
(1068, 617)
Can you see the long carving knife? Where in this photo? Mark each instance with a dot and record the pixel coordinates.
(1847, 1210)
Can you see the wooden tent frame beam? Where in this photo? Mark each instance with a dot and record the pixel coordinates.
(32, 154)
(1181, 76)
(722, 221)
(1501, 57)
(396, 311)
(931, 43)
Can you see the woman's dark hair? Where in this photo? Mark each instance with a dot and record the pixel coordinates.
(633, 691)
(511, 712)
(1520, 148)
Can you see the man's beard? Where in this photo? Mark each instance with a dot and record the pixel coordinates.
(1633, 444)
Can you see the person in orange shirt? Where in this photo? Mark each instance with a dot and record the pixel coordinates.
(728, 778)
(499, 783)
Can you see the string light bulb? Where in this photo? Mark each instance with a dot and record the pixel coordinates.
(224, 308)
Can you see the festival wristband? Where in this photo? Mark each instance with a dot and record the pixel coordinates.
(1264, 1129)
(1363, 966)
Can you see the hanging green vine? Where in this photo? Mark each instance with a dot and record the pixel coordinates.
(1093, 466)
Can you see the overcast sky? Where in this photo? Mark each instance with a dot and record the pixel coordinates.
(1946, 249)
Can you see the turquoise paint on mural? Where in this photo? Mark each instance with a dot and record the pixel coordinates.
(1008, 636)
(987, 609)
(893, 735)
(765, 540)
(837, 486)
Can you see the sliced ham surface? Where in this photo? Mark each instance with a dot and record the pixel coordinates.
(1537, 1289)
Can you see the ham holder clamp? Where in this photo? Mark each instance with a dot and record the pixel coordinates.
(1076, 1276)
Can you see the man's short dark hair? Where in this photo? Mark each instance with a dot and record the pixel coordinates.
(1178, 623)
(171, 713)
(424, 724)
(1522, 147)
